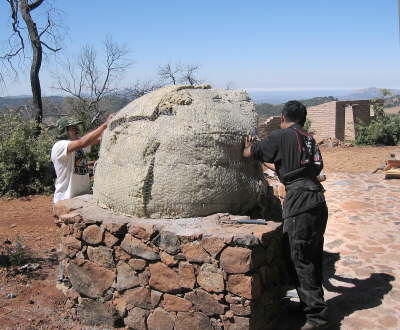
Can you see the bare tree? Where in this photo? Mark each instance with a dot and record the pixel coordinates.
(230, 85)
(189, 75)
(39, 39)
(139, 89)
(170, 72)
(88, 82)
(185, 74)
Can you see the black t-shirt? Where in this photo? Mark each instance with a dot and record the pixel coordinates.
(282, 149)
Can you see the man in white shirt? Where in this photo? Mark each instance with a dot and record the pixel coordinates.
(69, 159)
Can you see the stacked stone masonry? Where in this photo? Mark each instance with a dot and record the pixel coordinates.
(197, 273)
(267, 127)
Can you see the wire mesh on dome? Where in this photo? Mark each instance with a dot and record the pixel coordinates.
(177, 152)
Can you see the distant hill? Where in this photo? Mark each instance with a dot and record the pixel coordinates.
(392, 101)
(366, 94)
(54, 106)
(267, 109)
(17, 101)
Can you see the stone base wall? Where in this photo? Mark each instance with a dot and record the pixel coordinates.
(267, 127)
(197, 273)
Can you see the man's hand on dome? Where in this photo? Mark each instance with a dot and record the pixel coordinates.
(248, 142)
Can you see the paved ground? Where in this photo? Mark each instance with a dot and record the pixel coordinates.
(362, 244)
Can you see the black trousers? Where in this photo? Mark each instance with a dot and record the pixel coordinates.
(305, 237)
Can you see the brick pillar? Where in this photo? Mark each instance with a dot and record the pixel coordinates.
(349, 130)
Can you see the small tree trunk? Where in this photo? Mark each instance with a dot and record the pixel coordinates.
(36, 61)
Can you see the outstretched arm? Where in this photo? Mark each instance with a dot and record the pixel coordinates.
(90, 138)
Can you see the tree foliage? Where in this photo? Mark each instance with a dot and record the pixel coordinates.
(25, 165)
(383, 129)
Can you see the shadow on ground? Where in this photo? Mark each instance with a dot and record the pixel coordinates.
(354, 295)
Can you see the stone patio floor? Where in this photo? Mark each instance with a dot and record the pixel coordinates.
(362, 258)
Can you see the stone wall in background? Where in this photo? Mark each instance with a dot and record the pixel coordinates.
(271, 124)
(198, 273)
(338, 119)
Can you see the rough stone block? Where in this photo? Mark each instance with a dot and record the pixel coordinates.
(195, 320)
(246, 240)
(236, 260)
(173, 303)
(137, 248)
(116, 228)
(137, 264)
(126, 277)
(120, 254)
(155, 298)
(70, 218)
(142, 231)
(160, 320)
(144, 278)
(167, 259)
(244, 285)
(163, 278)
(211, 278)
(205, 302)
(213, 245)
(237, 323)
(240, 310)
(90, 279)
(94, 313)
(92, 235)
(136, 319)
(186, 275)
(168, 242)
(195, 253)
(137, 297)
(101, 255)
(70, 246)
(66, 230)
(109, 239)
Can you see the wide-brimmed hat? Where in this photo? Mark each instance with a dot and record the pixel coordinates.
(65, 122)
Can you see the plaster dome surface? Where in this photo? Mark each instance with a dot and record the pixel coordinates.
(177, 152)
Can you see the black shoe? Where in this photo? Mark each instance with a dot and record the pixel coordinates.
(312, 326)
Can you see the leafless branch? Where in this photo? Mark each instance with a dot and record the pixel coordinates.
(48, 25)
(89, 82)
(35, 4)
(189, 75)
(50, 48)
(139, 89)
(16, 31)
(169, 72)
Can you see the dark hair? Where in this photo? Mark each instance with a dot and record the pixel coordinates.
(295, 112)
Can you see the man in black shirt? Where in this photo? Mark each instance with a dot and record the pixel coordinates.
(295, 157)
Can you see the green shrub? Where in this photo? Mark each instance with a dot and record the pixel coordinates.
(307, 126)
(384, 129)
(15, 254)
(25, 165)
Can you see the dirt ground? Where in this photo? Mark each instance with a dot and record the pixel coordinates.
(355, 159)
(37, 303)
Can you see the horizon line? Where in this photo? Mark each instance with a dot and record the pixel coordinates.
(260, 89)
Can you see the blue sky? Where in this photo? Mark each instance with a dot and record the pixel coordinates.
(268, 44)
